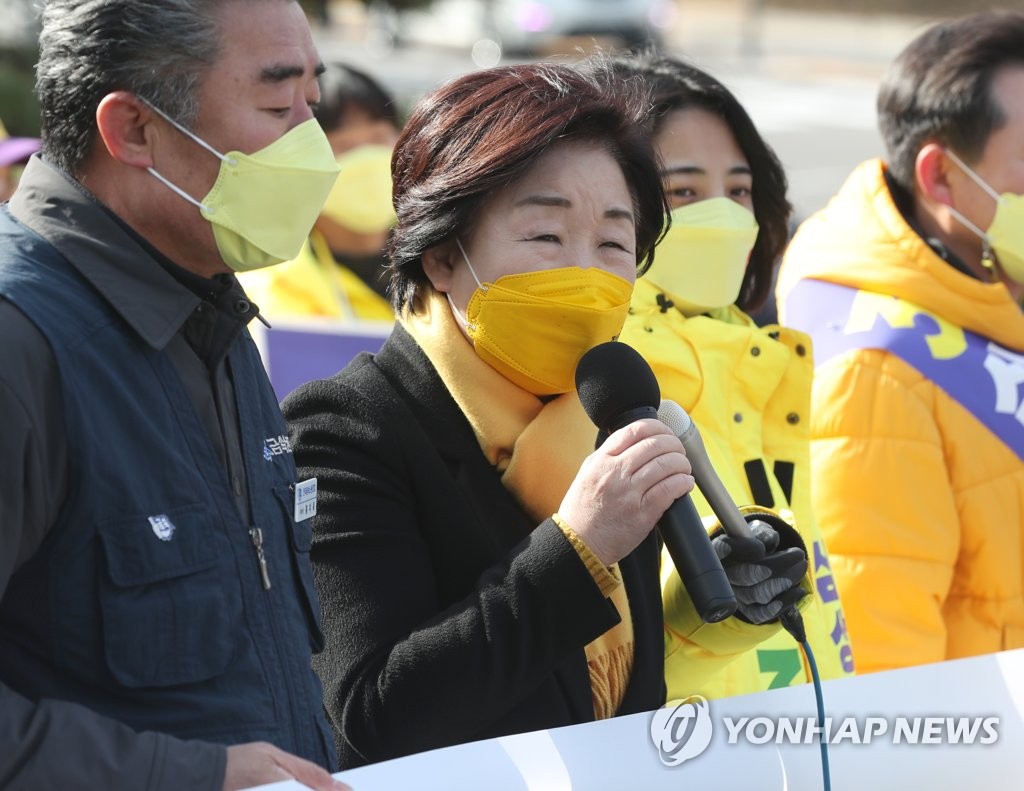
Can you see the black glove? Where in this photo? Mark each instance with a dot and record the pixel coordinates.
(765, 579)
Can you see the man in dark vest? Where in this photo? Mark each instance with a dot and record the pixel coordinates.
(157, 613)
(910, 283)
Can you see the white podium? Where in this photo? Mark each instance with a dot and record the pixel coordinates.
(619, 754)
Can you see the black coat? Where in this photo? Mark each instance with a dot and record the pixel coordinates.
(449, 615)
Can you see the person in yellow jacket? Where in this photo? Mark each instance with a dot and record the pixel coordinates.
(340, 272)
(910, 282)
(14, 153)
(747, 388)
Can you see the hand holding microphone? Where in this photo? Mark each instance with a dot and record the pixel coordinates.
(766, 579)
(623, 488)
(619, 392)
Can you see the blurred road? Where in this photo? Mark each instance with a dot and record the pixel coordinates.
(808, 79)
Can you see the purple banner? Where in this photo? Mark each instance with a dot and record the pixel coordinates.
(298, 353)
(984, 377)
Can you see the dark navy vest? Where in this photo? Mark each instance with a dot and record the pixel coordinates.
(146, 601)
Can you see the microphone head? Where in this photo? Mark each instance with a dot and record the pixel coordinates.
(675, 417)
(611, 379)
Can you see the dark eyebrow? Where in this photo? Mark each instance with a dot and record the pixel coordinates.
(619, 214)
(686, 170)
(564, 203)
(281, 72)
(544, 200)
(693, 170)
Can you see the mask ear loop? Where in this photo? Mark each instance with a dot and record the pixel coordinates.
(459, 314)
(465, 320)
(188, 133)
(988, 261)
(470, 327)
(175, 188)
(472, 271)
(987, 258)
(231, 161)
(973, 176)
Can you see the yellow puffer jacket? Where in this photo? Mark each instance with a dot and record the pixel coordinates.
(314, 284)
(748, 391)
(921, 504)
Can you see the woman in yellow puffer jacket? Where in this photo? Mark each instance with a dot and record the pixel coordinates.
(747, 388)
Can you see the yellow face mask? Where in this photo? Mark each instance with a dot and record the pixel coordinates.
(361, 197)
(263, 205)
(702, 259)
(534, 327)
(1005, 236)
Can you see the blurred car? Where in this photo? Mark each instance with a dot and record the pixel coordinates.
(526, 26)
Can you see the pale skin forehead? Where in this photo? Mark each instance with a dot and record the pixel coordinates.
(695, 135)
(263, 42)
(562, 178)
(1008, 90)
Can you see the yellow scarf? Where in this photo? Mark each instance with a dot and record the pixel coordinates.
(537, 449)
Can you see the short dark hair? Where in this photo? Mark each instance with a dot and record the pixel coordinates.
(939, 88)
(482, 131)
(88, 48)
(343, 88)
(676, 85)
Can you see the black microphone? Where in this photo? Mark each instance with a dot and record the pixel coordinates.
(617, 387)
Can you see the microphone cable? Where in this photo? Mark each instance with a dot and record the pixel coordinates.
(793, 623)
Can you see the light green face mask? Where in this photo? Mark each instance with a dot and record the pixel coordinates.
(702, 259)
(263, 205)
(1005, 236)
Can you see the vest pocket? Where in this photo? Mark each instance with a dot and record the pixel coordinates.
(301, 538)
(166, 615)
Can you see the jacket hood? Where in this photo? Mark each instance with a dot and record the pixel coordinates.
(860, 239)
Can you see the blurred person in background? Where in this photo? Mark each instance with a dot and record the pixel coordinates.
(14, 153)
(340, 272)
(910, 283)
(483, 570)
(747, 388)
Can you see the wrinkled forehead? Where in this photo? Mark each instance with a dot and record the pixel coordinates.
(264, 41)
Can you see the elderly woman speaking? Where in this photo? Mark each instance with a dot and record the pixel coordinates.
(481, 574)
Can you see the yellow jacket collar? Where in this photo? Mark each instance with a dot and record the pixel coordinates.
(862, 240)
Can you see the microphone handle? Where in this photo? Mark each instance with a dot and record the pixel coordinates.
(695, 560)
(711, 485)
(683, 534)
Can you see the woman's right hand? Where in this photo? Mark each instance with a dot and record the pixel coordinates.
(624, 487)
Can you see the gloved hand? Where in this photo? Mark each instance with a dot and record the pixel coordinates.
(764, 578)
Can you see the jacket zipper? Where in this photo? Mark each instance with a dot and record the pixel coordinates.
(257, 541)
